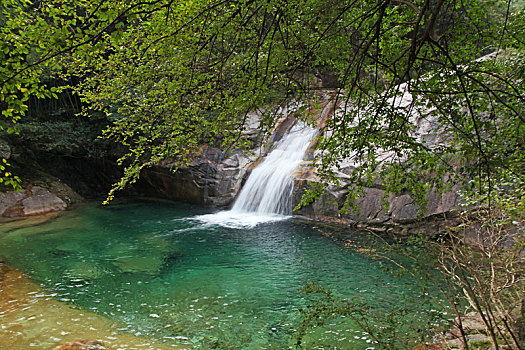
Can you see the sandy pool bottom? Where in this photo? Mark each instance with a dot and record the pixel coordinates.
(32, 319)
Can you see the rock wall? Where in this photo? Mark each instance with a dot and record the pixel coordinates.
(42, 193)
(377, 209)
(212, 178)
(215, 176)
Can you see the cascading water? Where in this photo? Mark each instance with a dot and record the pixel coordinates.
(269, 188)
(267, 194)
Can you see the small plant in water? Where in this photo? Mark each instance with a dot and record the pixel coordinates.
(397, 327)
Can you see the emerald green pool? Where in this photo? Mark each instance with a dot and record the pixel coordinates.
(166, 275)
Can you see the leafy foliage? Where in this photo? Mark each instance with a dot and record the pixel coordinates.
(170, 76)
(174, 75)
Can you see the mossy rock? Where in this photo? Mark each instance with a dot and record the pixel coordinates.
(70, 246)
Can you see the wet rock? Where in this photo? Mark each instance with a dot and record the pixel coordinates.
(374, 208)
(9, 200)
(403, 209)
(63, 191)
(5, 150)
(330, 201)
(41, 201)
(82, 344)
(211, 179)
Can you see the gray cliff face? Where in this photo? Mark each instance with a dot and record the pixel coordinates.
(210, 179)
(214, 177)
(375, 207)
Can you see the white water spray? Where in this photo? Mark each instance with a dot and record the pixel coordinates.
(267, 194)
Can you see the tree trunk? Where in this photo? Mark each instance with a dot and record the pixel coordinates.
(521, 321)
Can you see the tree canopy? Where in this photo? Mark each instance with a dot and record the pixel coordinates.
(173, 75)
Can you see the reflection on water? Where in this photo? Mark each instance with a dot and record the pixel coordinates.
(155, 270)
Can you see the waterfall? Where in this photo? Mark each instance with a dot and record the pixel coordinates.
(267, 194)
(269, 187)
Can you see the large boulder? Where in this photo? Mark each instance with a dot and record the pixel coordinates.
(9, 200)
(41, 201)
(36, 200)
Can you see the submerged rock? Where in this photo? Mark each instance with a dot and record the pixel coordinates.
(31, 319)
(132, 257)
(85, 271)
(150, 264)
(82, 344)
(70, 247)
(120, 249)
